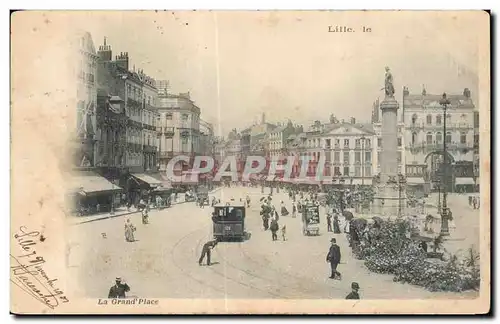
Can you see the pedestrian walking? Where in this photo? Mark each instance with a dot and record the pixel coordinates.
(145, 216)
(283, 232)
(329, 222)
(333, 257)
(336, 225)
(470, 200)
(354, 291)
(129, 231)
(284, 211)
(294, 209)
(207, 251)
(274, 228)
(119, 289)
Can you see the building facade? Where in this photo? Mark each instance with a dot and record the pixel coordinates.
(86, 94)
(424, 123)
(277, 139)
(149, 120)
(178, 127)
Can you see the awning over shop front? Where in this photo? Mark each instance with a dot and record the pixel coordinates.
(415, 180)
(464, 181)
(89, 182)
(153, 182)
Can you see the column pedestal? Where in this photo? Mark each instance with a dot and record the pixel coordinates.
(389, 198)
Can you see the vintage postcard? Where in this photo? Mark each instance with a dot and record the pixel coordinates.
(250, 162)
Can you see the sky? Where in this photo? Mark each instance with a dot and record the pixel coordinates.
(238, 65)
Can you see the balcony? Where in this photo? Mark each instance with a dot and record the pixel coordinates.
(131, 102)
(149, 148)
(169, 131)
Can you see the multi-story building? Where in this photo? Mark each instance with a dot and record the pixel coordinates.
(476, 149)
(149, 119)
(178, 127)
(206, 138)
(86, 94)
(348, 148)
(424, 135)
(277, 139)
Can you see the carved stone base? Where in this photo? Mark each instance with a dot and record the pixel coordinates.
(389, 202)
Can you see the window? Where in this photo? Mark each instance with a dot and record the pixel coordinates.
(357, 157)
(448, 118)
(413, 138)
(346, 157)
(346, 171)
(336, 171)
(368, 143)
(400, 141)
(448, 137)
(463, 138)
(368, 157)
(357, 171)
(428, 138)
(337, 142)
(168, 116)
(185, 117)
(328, 143)
(414, 118)
(358, 143)
(429, 119)
(368, 171)
(400, 156)
(438, 120)
(379, 142)
(439, 138)
(336, 156)
(346, 142)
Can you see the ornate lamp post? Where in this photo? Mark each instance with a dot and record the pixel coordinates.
(401, 185)
(438, 182)
(444, 213)
(342, 183)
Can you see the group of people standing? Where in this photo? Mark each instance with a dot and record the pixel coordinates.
(474, 202)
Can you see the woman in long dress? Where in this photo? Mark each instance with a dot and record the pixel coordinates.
(129, 231)
(284, 211)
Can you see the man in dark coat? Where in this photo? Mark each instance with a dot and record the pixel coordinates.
(274, 228)
(329, 222)
(333, 257)
(207, 250)
(119, 289)
(354, 293)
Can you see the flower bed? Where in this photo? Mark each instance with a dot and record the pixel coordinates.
(390, 250)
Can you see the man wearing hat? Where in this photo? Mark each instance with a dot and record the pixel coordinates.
(333, 257)
(119, 289)
(354, 293)
(207, 251)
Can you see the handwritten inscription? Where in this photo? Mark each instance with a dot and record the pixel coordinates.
(27, 271)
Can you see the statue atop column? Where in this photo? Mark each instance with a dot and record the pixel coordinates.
(389, 86)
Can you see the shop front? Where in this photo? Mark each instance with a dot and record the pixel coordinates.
(92, 194)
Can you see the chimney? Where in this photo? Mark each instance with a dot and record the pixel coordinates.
(353, 120)
(122, 60)
(263, 120)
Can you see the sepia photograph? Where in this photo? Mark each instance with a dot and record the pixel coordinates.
(250, 162)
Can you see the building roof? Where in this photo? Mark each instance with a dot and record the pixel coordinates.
(431, 100)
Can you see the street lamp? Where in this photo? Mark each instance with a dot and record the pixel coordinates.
(438, 182)
(342, 182)
(444, 213)
(401, 185)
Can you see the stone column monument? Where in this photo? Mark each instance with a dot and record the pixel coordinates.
(390, 195)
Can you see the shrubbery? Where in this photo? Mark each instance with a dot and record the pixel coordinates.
(391, 250)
